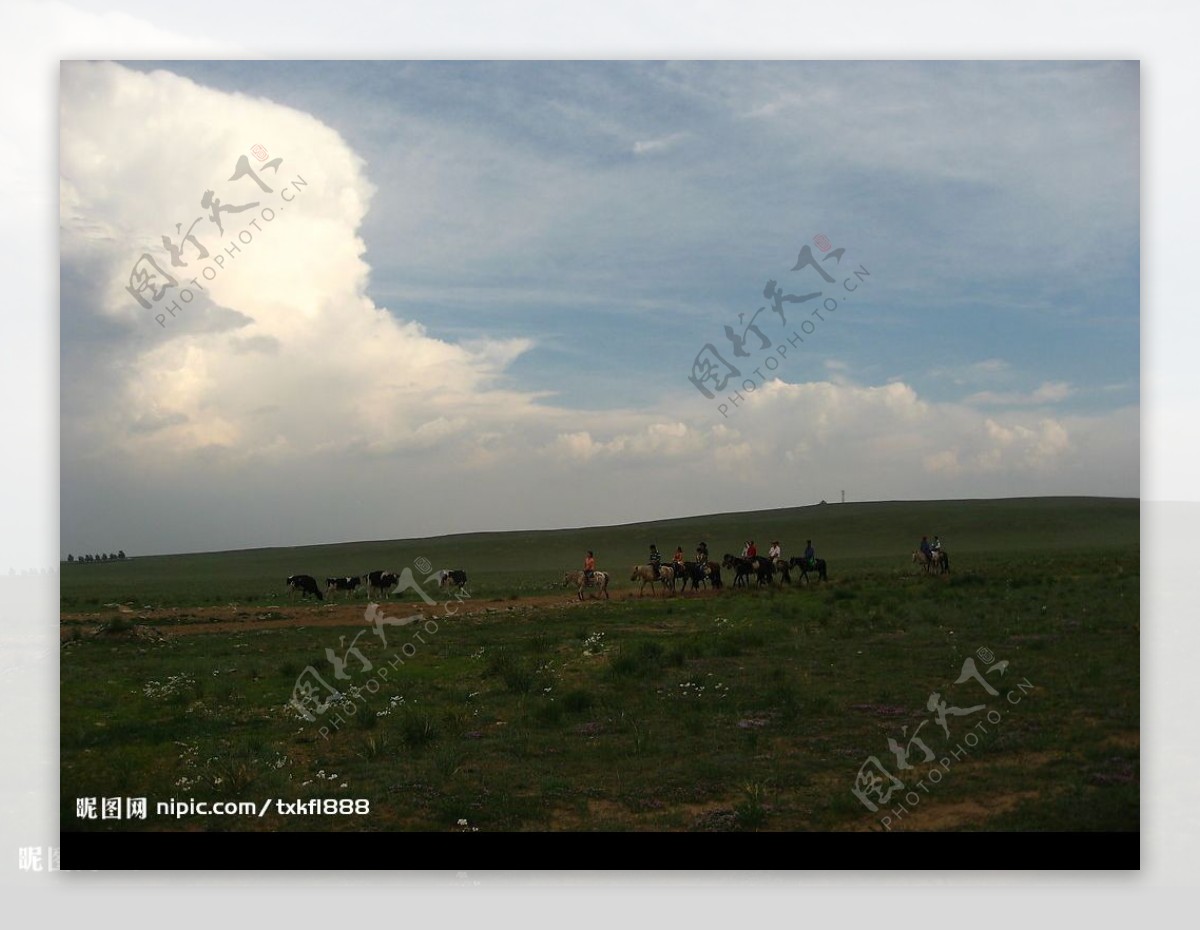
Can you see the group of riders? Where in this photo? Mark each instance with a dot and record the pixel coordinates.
(749, 551)
(931, 554)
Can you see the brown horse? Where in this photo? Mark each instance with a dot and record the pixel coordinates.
(645, 574)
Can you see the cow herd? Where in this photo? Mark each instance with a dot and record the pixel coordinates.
(376, 583)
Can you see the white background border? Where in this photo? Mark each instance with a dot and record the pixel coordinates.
(1163, 35)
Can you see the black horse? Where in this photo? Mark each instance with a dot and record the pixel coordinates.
(740, 567)
(764, 569)
(818, 566)
(761, 567)
(695, 572)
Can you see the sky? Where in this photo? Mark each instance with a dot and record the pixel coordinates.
(437, 297)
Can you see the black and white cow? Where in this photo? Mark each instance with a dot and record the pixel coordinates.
(380, 582)
(305, 584)
(350, 583)
(455, 576)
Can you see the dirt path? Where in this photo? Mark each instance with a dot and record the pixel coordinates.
(233, 618)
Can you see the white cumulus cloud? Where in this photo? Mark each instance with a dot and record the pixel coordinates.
(275, 348)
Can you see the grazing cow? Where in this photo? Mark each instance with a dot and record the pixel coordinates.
(580, 580)
(349, 583)
(389, 580)
(380, 582)
(645, 574)
(455, 576)
(305, 584)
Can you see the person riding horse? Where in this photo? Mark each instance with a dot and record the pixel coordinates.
(589, 567)
(939, 558)
(655, 560)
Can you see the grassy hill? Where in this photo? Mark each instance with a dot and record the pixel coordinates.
(857, 537)
(754, 709)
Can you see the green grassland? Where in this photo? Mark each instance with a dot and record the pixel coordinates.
(747, 710)
(851, 537)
